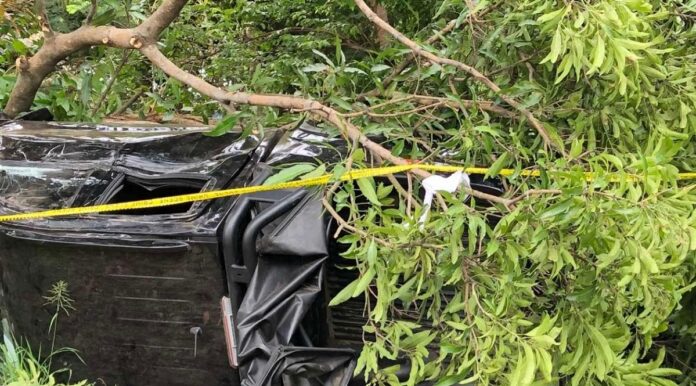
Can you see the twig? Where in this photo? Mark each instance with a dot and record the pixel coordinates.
(112, 80)
(466, 103)
(426, 100)
(396, 71)
(344, 224)
(533, 192)
(371, 113)
(420, 51)
(44, 21)
(511, 66)
(92, 13)
(129, 102)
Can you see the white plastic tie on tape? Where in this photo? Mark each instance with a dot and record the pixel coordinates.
(434, 184)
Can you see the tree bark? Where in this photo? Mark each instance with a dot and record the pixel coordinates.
(382, 36)
(31, 72)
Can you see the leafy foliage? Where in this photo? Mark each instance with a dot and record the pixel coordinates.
(589, 283)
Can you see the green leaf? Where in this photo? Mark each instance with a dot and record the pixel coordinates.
(498, 165)
(556, 209)
(19, 46)
(556, 47)
(341, 103)
(224, 126)
(457, 379)
(543, 327)
(529, 370)
(289, 174)
(379, 68)
(598, 54)
(364, 282)
(86, 87)
(316, 67)
(320, 171)
(367, 188)
(545, 364)
(516, 375)
(345, 294)
(372, 252)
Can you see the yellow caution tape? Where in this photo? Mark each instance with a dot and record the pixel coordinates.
(316, 181)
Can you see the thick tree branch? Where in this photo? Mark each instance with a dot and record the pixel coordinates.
(32, 71)
(288, 103)
(420, 51)
(153, 26)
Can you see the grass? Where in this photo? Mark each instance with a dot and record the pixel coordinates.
(19, 366)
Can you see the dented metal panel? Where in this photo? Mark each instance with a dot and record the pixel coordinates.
(147, 285)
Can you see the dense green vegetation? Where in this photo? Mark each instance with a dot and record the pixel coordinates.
(584, 282)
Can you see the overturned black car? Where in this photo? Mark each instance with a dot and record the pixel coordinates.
(233, 291)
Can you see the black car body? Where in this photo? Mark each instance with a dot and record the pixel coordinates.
(223, 292)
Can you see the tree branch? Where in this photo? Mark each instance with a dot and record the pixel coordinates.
(43, 20)
(420, 51)
(533, 192)
(92, 13)
(122, 109)
(34, 70)
(396, 71)
(153, 26)
(289, 103)
(279, 101)
(143, 38)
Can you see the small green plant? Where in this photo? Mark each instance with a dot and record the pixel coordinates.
(59, 297)
(19, 366)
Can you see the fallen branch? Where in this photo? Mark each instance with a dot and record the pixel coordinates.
(284, 102)
(420, 51)
(144, 38)
(57, 46)
(288, 103)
